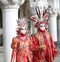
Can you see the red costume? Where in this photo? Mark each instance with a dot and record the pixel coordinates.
(20, 45)
(43, 47)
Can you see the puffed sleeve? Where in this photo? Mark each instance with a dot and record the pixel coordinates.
(54, 49)
(14, 43)
(14, 47)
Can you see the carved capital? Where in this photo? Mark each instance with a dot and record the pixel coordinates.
(39, 3)
(12, 2)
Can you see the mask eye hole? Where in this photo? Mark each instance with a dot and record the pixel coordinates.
(23, 29)
(42, 26)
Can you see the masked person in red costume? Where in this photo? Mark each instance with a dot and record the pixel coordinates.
(20, 44)
(43, 47)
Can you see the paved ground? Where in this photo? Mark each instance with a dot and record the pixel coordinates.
(57, 59)
(1, 57)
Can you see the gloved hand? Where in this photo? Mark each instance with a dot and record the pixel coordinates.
(43, 47)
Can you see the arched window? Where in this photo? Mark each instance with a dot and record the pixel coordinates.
(1, 34)
(0, 18)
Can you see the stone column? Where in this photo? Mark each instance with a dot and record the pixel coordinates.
(56, 7)
(53, 26)
(56, 4)
(58, 28)
(9, 17)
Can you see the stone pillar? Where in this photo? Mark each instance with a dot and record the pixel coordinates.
(9, 17)
(58, 28)
(53, 26)
(56, 4)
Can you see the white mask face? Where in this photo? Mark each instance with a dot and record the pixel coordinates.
(42, 27)
(23, 30)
